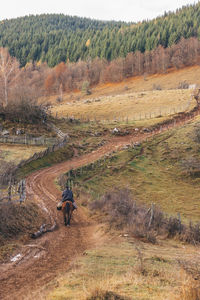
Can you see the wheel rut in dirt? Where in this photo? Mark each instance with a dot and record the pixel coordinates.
(44, 259)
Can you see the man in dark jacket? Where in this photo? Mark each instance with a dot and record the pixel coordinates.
(67, 195)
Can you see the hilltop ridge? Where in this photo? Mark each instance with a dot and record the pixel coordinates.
(53, 38)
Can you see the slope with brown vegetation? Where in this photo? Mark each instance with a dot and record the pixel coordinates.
(44, 259)
(155, 94)
(166, 269)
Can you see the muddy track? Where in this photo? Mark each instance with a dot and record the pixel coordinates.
(43, 259)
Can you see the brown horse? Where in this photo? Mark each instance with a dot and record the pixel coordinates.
(67, 209)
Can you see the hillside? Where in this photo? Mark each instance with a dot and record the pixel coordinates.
(134, 98)
(89, 259)
(97, 256)
(55, 38)
(121, 264)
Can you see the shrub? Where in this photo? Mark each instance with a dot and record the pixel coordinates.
(17, 219)
(59, 99)
(122, 212)
(191, 166)
(190, 289)
(183, 85)
(157, 87)
(86, 88)
(105, 295)
(24, 111)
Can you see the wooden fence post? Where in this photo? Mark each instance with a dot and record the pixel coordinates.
(9, 192)
(152, 214)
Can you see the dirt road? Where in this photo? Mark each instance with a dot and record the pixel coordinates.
(43, 259)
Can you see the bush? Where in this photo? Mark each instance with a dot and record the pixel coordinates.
(85, 88)
(122, 212)
(183, 85)
(191, 166)
(105, 295)
(117, 205)
(18, 219)
(157, 87)
(59, 99)
(24, 111)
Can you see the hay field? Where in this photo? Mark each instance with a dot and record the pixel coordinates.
(134, 106)
(134, 98)
(16, 153)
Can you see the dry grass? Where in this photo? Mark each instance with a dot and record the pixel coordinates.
(169, 80)
(17, 222)
(155, 176)
(16, 153)
(119, 210)
(116, 267)
(128, 93)
(190, 290)
(133, 106)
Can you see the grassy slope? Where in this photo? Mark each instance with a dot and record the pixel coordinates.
(134, 106)
(151, 178)
(48, 160)
(17, 222)
(15, 153)
(128, 93)
(156, 175)
(128, 268)
(115, 267)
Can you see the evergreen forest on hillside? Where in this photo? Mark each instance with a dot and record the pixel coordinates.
(55, 38)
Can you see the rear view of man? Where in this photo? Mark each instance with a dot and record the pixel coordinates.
(67, 195)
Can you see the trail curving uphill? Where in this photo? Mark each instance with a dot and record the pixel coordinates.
(43, 259)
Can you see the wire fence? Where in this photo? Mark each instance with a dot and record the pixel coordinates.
(27, 140)
(72, 175)
(126, 119)
(17, 193)
(14, 193)
(11, 173)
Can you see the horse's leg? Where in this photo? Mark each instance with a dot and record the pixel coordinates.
(64, 216)
(69, 217)
(68, 214)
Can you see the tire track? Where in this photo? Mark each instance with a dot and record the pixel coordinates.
(58, 248)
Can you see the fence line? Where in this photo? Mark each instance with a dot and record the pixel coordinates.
(171, 123)
(160, 112)
(10, 175)
(15, 193)
(72, 174)
(27, 140)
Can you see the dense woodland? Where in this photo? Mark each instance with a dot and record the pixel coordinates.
(25, 78)
(59, 38)
(38, 79)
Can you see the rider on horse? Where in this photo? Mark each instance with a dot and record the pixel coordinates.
(67, 195)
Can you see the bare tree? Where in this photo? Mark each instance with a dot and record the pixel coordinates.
(9, 71)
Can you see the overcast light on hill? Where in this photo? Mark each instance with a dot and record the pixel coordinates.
(126, 10)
